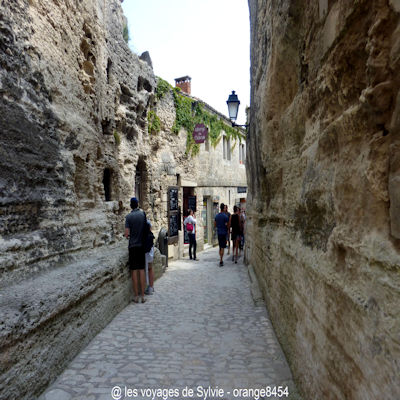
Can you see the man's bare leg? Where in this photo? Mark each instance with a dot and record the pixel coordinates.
(142, 276)
(237, 248)
(135, 284)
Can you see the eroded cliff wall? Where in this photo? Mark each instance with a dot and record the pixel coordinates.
(76, 142)
(68, 82)
(324, 184)
(73, 129)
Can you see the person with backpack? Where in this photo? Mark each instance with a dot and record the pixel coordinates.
(190, 225)
(221, 222)
(149, 256)
(236, 225)
(136, 230)
(228, 243)
(243, 224)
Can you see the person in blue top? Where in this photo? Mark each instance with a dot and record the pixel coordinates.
(222, 224)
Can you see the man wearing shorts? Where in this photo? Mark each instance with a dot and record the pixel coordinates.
(236, 226)
(227, 236)
(221, 223)
(134, 224)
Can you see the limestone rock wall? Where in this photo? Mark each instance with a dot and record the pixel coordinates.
(73, 115)
(68, 82)
(73, 129)
(323, 173)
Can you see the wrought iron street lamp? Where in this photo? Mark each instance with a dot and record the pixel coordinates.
(233, 108)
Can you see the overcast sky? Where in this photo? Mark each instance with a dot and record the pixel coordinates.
(209, 40)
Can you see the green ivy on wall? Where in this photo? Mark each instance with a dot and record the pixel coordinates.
(125, 32)
(163, 87)
(117, 138)
(189, 113)
(154, 123)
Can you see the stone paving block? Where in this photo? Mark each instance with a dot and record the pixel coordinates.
(200, 328)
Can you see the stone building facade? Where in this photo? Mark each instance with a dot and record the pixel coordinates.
(74, 147)
(323, 226)
(215, 175)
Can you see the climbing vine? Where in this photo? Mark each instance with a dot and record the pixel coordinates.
(154, 123)
(125, 32)
(163, 87)
(189, 113)
(117, 138)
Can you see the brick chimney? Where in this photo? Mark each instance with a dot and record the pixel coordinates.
(184, 83)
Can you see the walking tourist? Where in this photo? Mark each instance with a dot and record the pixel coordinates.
(235, 224)
(149, 257)
(135, 224)
(242, 214)
(190, 224)
(228, 242)
(221, 223)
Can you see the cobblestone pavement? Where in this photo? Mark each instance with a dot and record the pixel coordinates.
(201, 328)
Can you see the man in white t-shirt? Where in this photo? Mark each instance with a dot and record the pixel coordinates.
(190, 225)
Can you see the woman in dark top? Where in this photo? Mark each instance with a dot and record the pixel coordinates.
(236, 229)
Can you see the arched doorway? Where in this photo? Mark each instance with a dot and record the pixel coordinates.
(141, 183)
(107, 177)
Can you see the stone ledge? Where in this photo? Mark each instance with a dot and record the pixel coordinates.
(29, 304)
(45, 321)
(254, 288)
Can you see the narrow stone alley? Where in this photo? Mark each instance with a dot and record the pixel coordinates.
(201, 330)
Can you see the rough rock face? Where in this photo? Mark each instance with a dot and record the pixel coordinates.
(324, 184)
(73, 128)
(68, 82)
(74, 147)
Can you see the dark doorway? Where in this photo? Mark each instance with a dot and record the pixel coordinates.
(107, 176)
(189, 201)
(141, 182)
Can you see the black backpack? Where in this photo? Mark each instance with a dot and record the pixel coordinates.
(148, 244)
(147, 236)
